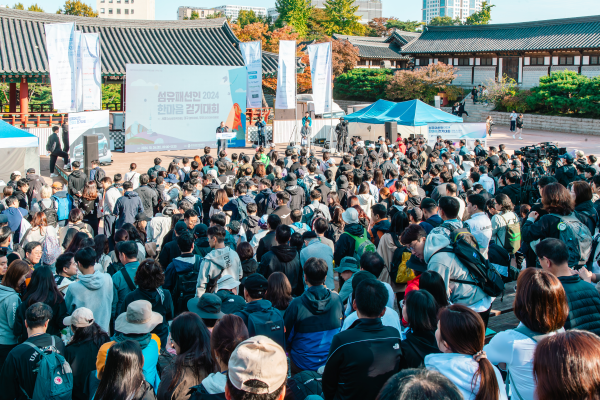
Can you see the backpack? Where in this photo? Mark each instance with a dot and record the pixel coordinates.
(362, 245)
(399, 271)
(185, 286)
(51, 215)
(576, 235)
(268, 323)
(65, 204)
(310, 217)
(51, 249)
(304, 384)
(82, 228)
(298, 229)
(54, 375)
(512, 236)
(210, 197)
(113, 268)
(242, 212)
(484, 275)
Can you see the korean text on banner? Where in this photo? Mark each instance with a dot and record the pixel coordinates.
(320, 71)
(62, 59)
(90, 64)
(252, 54)
(286, 76)
(78, 73)
(456, 132)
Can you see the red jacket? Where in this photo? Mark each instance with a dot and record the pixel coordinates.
(401, 146)
(411, 285)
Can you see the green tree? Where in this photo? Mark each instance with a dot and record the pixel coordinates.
(247, 17)
(559, 92)
(218, 14)
(194, 15)
(35, 7)
(295, 13)
(422, 83)
(316, 24)
(482, 17)
(78, 8)
(111, 93)
(407, 26)
(444, 21)
(362, 84)
(342, 17)
(19, 6)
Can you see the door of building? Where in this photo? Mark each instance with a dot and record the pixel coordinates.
(510, 67)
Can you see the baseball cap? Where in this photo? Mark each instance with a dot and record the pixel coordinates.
(141, 217)
(399, 196)
(413, 189)
(200, 230)
(255, 282)
(234, 225)
(258, 359)
(31, 171)
(348, 264)
(17, 173)
(180, 228)
(428, 202)
(262, 222)
(212, 173)
(291, 177)
(81, 318)
(57, 185)
(208, 306)
(227, 282)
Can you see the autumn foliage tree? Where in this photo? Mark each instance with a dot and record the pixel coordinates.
(422, 83)
(78, 8)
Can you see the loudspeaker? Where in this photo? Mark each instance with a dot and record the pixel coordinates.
(391, 131)
(90, 151)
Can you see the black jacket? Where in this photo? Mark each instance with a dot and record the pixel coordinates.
(82, 358)
(325, 190)
(250, 224)
(20, 363)
(201, 246)
(283, 259)
(344, 247)
(149, 199)
(513, 191)
(59, 312)
(162, 303)
(499, 171)
(566, 174)
(262, 203)
(584, 304)
(284, 212)
(544, 227)
(297, 197)
(355, 354)
(588, 215)
(415, 347)
(204, 194)
(76, 182)
(169, 252)
(265, 244)
(22, 197)
(343, 168)
(53, 144)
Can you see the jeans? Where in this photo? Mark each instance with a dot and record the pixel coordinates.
(54, 156)
(513, 125)
(221, 145)
(262, 139)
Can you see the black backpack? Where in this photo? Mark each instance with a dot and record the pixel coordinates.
(465, 248)
(51, 213)
(304, 384)
(113, 268)
(185, 286)
(268, 323)
(210, 197)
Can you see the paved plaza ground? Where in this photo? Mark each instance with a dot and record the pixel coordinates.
(588, 143)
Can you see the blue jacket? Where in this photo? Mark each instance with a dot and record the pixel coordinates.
(14, 215)
(127, 207)
(311, 322)
(180, 265)
(235, 204)
(584, 304)
(261, 127)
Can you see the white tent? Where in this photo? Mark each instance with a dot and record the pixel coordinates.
(18, 151)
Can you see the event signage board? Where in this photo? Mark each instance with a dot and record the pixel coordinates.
(89, 123)
(285, 98)
(179, 107)
(78, 73)
(456, 132)
(62, 61)
(252, 54)
(320, 72)
(91, 94)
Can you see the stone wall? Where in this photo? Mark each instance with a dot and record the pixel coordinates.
(583, 126)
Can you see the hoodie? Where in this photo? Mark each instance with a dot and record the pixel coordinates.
(250, 225)
(450, 268)
(416, 347)
(311, 322)
(126, 208)
(297, 197)
(224, 261)
(121, 288)
(212, 384)
(162, 303)
(461, 369)
(236, 204)
(316, 248)
(9, 302)
(95, 292)
(76, 182)
(283, 258)
(262, 202)
(344, 246)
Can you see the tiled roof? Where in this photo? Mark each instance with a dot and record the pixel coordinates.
(374, 47)
(199, 42)
(403, 37)
(570, 33)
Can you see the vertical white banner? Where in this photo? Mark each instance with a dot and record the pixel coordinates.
(252, 54)
(62, 59)
(78, 72)
(286, 76)
(91, 71)
(320, 74)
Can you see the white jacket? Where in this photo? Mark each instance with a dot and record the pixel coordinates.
(110, 198)
(366, 201)
(134, 178)
(157, 228)
(460, 369)
(481, 227)
(487, 183)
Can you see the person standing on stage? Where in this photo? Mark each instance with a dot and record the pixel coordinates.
(222, 143)
(262, 135)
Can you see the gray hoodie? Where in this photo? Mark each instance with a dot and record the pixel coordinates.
(9, 302)
(94, 292)
(449, 267)
(218, 260)
(215, 383)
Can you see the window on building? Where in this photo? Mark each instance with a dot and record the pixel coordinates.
(442, 3)
(126, 1)
(486, 61)
(118, 11)
(110, 1)
(423, 62)
(463, 61)
(536, 61)
(102, 11)
(126, 11)
(132, 8)
(118, 1)
(110, 10)
(566, 60)
(202, 13)
(594, 60)
(101, 1)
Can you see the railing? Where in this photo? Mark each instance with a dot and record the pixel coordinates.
(34, 119)
(49, 108)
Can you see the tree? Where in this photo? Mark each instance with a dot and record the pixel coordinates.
(316, 24)
(272, 38)
(218, 14)
(35, 7)
(342, 18)
(78, 8)
(379, 26)
(251, 32)
(444, 21)
(362, 84)
(559, 92)
(482, 17)
(19, 6)
(407, 26)
(422, 83)
(193, 16)
(247, 17)
(111, 93)
(295, 13)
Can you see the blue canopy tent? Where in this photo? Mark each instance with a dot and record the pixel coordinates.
(408, 113)
(18, 151)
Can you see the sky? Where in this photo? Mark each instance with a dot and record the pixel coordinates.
(505, 11)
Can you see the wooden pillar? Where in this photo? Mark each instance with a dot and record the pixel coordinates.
(12, 98)
(24, 100)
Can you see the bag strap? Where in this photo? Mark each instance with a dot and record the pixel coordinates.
(127, 278)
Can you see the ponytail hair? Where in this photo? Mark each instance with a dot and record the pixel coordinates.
(464, 332)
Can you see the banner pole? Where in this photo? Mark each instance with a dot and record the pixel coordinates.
(295, 97)
(331, 90)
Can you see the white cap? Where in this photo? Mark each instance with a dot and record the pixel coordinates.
(17, 173)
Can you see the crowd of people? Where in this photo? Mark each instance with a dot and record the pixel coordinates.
(271, 275)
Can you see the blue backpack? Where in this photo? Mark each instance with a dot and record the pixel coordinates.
(65, 204)
(54, 376)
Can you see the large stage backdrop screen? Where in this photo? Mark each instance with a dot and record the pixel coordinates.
(178, 107)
